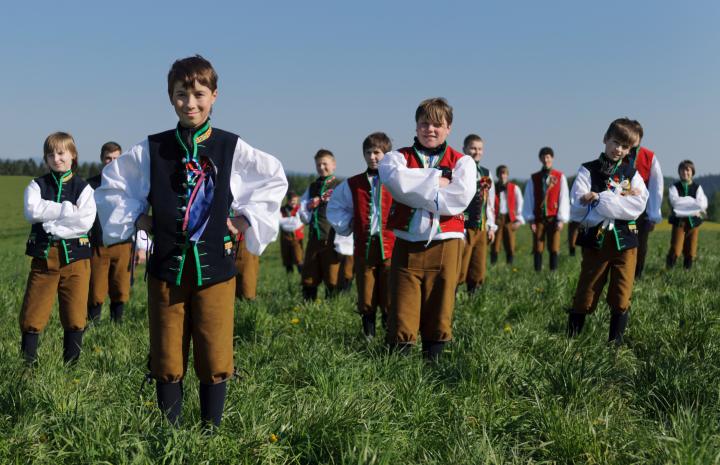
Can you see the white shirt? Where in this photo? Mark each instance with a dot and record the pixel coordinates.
(340, 210)
(60, 220)
(611, 205)
(687, 206)
(257, 184)
(419, 188)
(655, 188)
(503, 204)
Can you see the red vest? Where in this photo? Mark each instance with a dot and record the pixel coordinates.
(643, 163)
(299, 234)
(511, 201)
(360, 189)
(546, 194)
(401, 214)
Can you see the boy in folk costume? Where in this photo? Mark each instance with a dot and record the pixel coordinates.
(432, 185)
(360, 206)
(291, 234)
(322, 263)
(110, 266)
(689, 204)
(546, 208)
(61, 208)
(192, 176)
(508, 212)
(646, 163)
(479, 219)
(608, 195)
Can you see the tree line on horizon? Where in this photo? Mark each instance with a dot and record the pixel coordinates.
(298, 182)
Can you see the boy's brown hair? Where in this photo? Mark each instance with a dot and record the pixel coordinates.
(435, 110)
(501, 169)
(624, 130)
(687, 164)
(322, 153)
(377, 140)
(639, 130)
(109, 147)
(470, 138)
(190, 70)
(60, 140)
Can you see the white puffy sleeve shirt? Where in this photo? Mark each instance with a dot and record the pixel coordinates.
(340, 209)
(62, 220)
(656, 186)
(610, 205)
(687, 206)
(257, 184)
(419, 188)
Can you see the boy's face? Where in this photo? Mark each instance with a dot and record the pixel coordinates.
(293, 201)
(616, 150)
(59, 160)
(504, 177)
(547, 161)
(431, 135)
(325, 166)
(373, 156)
(192, 105)
(108, 157)
(474, 149)
(686, 174)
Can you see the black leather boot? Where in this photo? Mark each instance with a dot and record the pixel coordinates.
(212, 403)
(368, 324)
(116, 311)
(28, 346)
(331, 292)
(571, 251)
(576, 321)
(94, 311)
(687, 262)
(310, 293)
(618, 323)
(169, 399)
(553, 261)
(72, 344)
(670, 261)
(493, 258)
(509, 259)
(538, 261)
(431, 350)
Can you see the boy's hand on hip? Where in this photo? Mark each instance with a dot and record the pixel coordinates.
(444, 182)
(560, 225)
(533, 227)
(237, 225)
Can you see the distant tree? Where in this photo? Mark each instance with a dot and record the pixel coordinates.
(713, 211)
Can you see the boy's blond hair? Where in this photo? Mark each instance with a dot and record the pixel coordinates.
(60, 140)
(322, 153)
(435, 110)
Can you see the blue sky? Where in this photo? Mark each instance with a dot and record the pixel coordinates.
(297, 76)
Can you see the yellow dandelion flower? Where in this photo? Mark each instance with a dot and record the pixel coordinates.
(507, 328)
(76, 381)
(296, 309)
(97, 349)
(273, 438)
(538, 289)
(149, 403)
(295, 321)
(515, 270)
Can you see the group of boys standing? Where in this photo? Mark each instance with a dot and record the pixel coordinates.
(421, 218)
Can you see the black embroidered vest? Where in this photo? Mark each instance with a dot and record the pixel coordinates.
(686, 190)
(476, 212)
(320, 227)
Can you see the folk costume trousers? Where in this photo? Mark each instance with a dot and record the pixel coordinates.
(504, 236)
(291, 250)
(684, 240)
(372, 279)
(474, 257)
(322, 264)
(546, 232)
(110, 273)
(248, 268)
(597, 266)
(49, 278)
(422, 290)
(179, 314)
(573, 229)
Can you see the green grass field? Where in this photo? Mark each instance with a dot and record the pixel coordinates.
(511, 389)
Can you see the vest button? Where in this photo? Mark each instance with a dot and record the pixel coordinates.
(183, 208)
(183, 160)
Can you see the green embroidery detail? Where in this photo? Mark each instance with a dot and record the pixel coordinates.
(180, 268)
(197, 265)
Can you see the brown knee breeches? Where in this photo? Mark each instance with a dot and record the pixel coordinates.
(248, 268)
(373, 277)
(422, 290)
(110, 272)
(596, 266)
(291, 250)
(684, 240)
(179, 314)
(505, 236)
(546, 231)
(322, 264)
(48, 279)
(474, 257)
